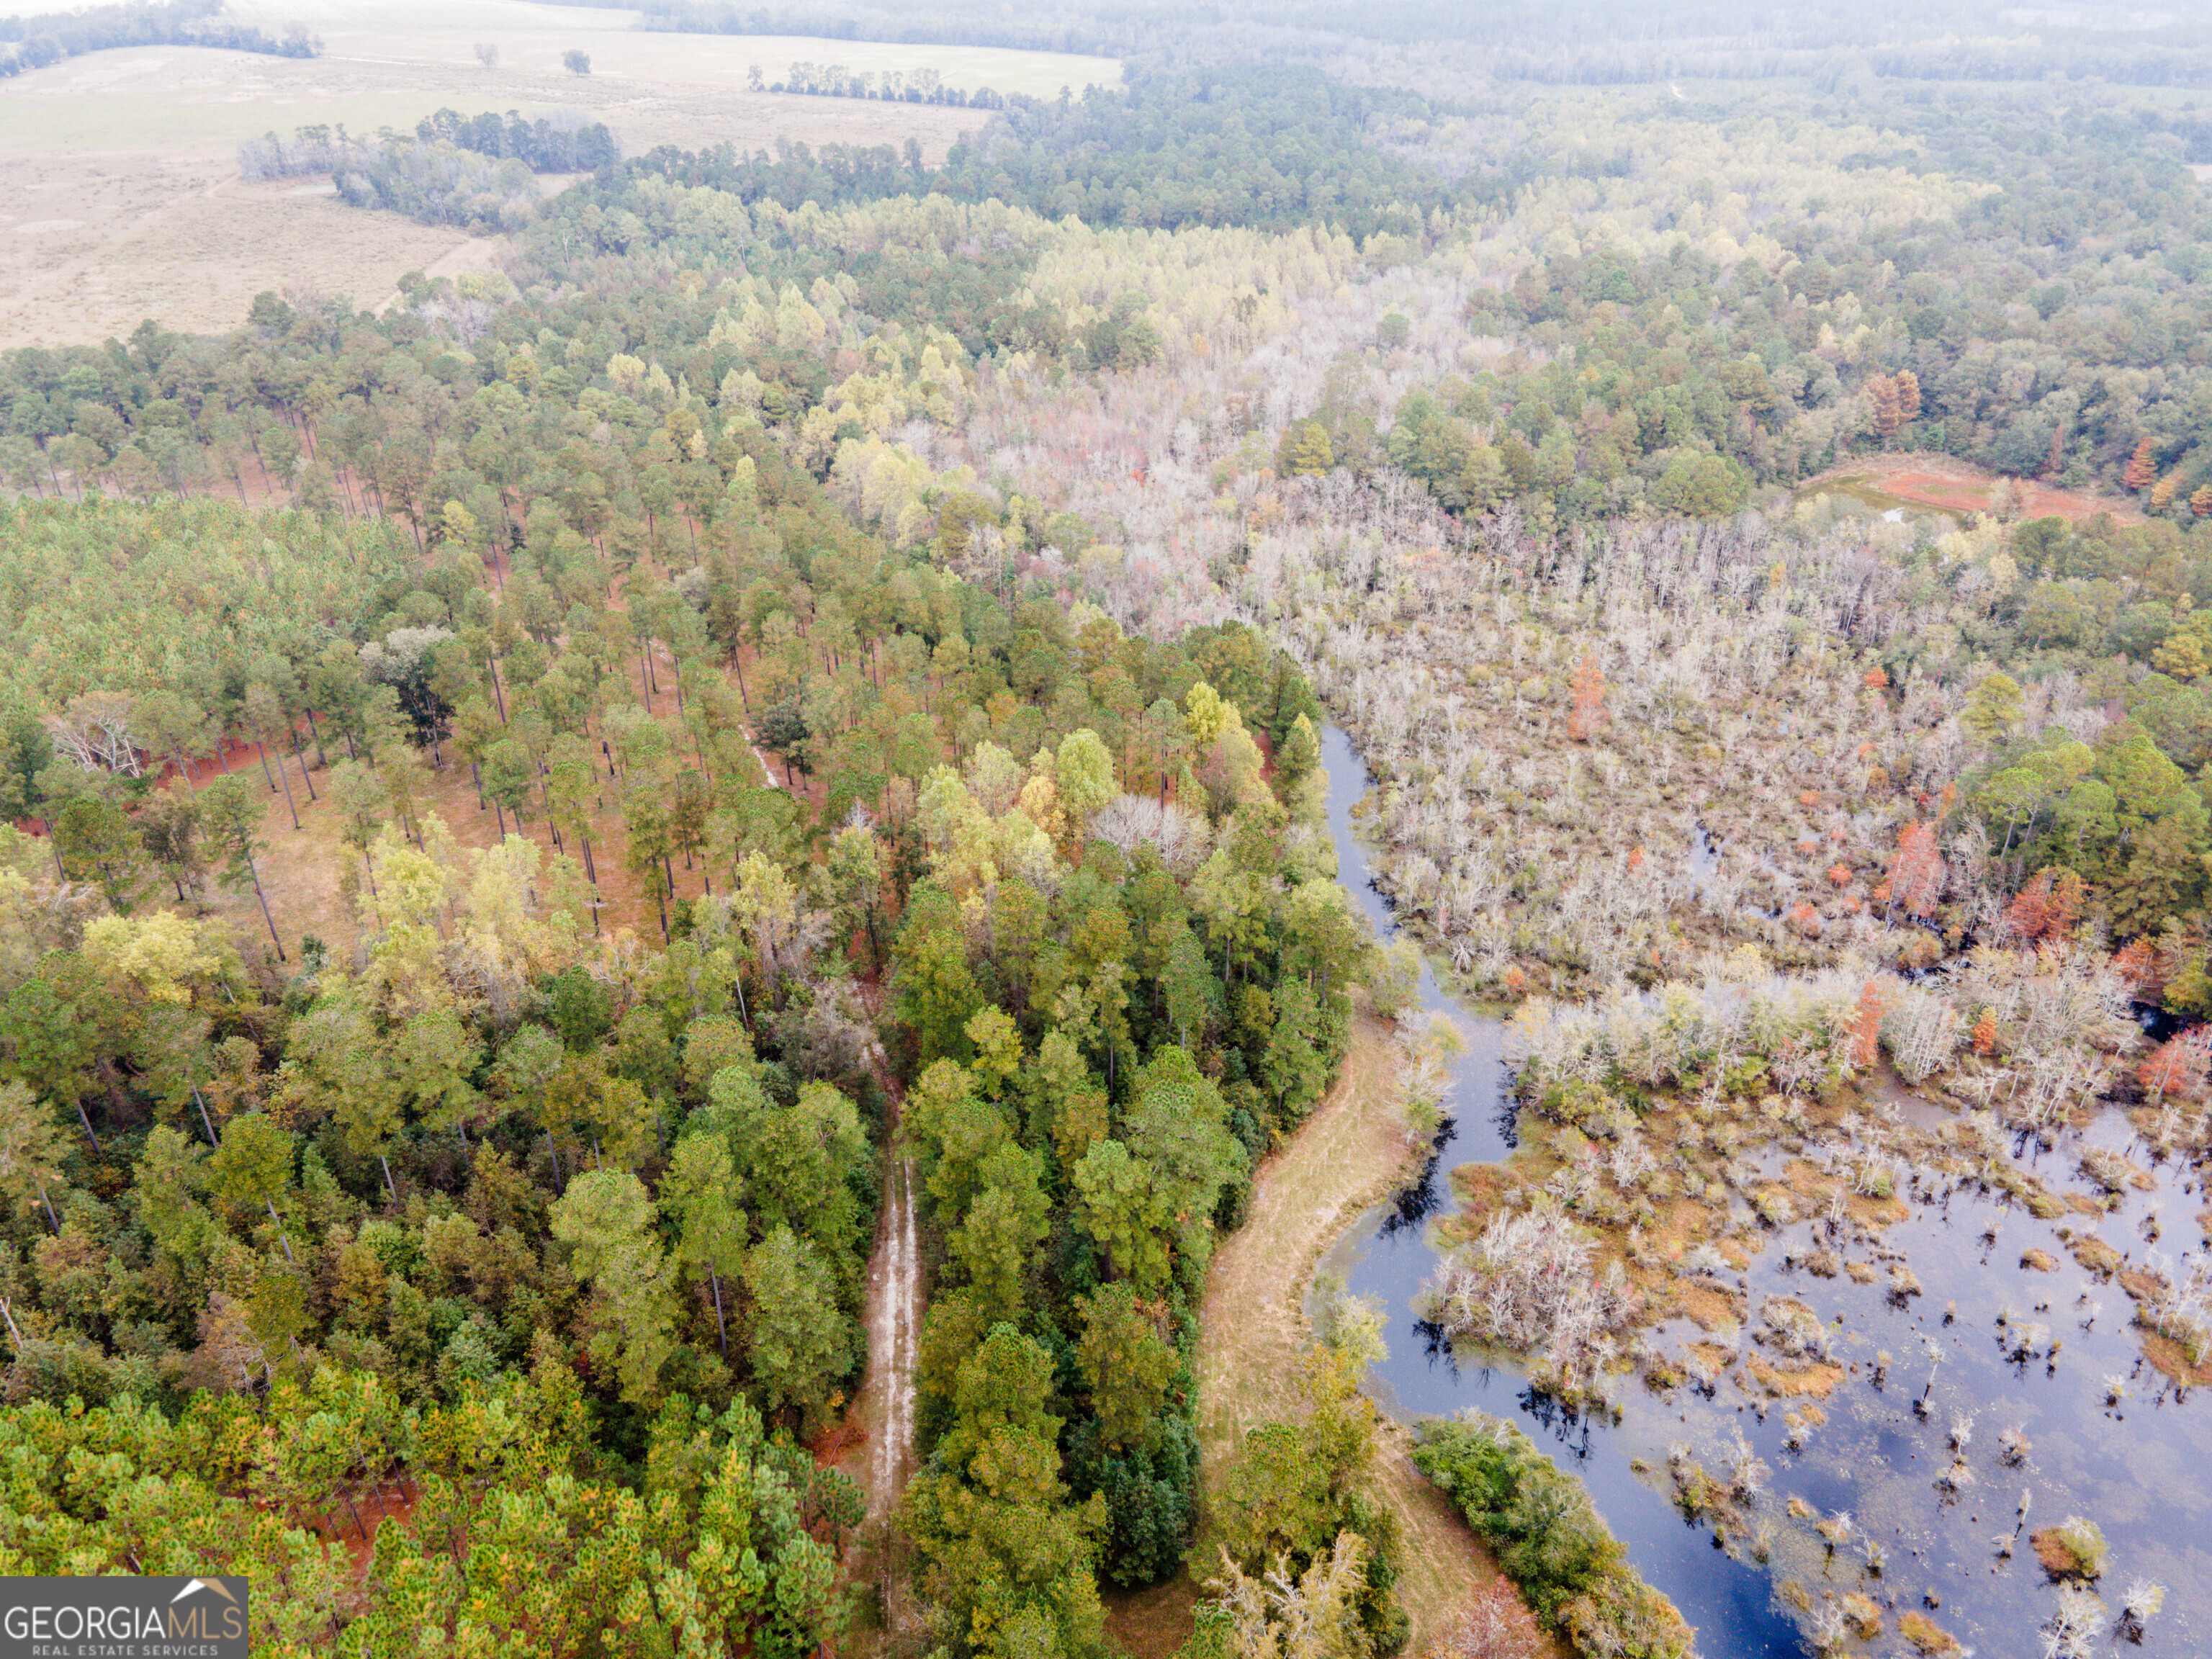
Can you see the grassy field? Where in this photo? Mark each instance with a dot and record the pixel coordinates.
(1252, 1329)
(119, 195)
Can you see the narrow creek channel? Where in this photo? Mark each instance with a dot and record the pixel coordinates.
(2140, 1466)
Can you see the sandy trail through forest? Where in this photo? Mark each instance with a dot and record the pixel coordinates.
(894, 1334)
(893, 1310)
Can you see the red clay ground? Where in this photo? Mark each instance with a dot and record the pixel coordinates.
(1951, 486)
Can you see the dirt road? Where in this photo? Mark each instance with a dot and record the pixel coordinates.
(893, 1335)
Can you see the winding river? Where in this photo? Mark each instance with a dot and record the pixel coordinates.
(2140, 1464)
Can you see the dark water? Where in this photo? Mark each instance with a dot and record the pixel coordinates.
(2142, 1469)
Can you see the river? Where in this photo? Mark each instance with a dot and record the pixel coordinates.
(2136, 1467)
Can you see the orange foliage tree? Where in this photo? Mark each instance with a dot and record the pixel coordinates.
(1881, 392)
(2178, 1066)
(2138, 963)
(1866, 1027)
(2142, 471)
(1589, 688)
(2048, 907)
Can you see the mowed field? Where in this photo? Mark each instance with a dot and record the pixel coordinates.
(120, 198)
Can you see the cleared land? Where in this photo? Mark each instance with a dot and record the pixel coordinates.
(1252, 1329)
(302, 869)
(1951, 486)
(119, 194)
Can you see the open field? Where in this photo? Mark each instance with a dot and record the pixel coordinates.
(119, 194)
(1956, 487)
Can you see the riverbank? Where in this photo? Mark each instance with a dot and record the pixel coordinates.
(1348, 1157)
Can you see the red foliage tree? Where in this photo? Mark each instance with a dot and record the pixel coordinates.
(1985, 1033)
(2178, 1067)
(1915, 870)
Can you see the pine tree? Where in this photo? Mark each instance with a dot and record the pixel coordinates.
(1908, 395)
(1881, 394)
(2140, 471)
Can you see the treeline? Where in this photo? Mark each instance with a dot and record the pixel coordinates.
(1572, 1572)
(476, 171)
(38, 38)
(1601, 45)
(915, 87)
(310, 149)
(441, 183)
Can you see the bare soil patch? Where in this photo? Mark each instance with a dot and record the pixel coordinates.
(1951, 486)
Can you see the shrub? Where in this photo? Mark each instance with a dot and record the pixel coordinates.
(2075, 1548)
(1926, 1636)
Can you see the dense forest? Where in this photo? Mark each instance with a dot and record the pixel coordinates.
(621, 1189)
(791, 718)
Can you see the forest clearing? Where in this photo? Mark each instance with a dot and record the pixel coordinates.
(1953, 487)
